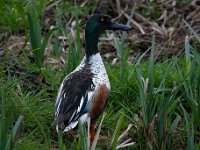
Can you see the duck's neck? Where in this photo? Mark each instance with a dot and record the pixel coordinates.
(91, 43)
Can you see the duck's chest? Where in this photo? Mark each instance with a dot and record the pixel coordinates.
(97, 98)
(98, 70)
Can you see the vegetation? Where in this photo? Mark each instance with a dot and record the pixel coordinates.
(155, 99)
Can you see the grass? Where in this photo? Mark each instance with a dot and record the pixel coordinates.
(164, 115)
(157, 100)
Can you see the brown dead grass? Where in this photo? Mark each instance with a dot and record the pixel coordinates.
(162, 18)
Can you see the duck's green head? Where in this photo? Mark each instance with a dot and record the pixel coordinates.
(96, 24)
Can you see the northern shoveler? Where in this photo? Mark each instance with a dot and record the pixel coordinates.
(83, 93)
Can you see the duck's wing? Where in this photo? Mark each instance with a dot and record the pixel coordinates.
(72, 99)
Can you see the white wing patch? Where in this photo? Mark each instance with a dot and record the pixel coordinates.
(81, 104)
(72, 116)
(83, 118)
(59, 93)
(70, 126)
(58, 108)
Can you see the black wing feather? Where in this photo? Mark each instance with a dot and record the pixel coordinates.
(75, 86)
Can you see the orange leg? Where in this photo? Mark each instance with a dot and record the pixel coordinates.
(92, 131)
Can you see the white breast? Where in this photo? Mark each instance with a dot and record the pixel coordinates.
(100, 77)
(99, 71)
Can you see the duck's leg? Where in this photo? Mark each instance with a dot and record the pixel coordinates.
(92, 131)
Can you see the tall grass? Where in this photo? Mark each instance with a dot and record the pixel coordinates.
(38, 42)
(161, 104)
(156, 103)
(73, 58)
(123, 51)
(12, 16)
(7, 135)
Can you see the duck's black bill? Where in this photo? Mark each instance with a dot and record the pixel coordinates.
(116, 26)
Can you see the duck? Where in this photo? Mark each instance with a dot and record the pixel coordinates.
(83, 93)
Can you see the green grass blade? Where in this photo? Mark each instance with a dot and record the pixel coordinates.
(151, 65)
(16, 126)
(35, 38)
(117, 132)
(142, 97)
(35, 32)
(190, 132)
(10, 142)
(175, 123)
(45, 42)
(41, 6)
(187, 56)
(60, 141)
(83, 136)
